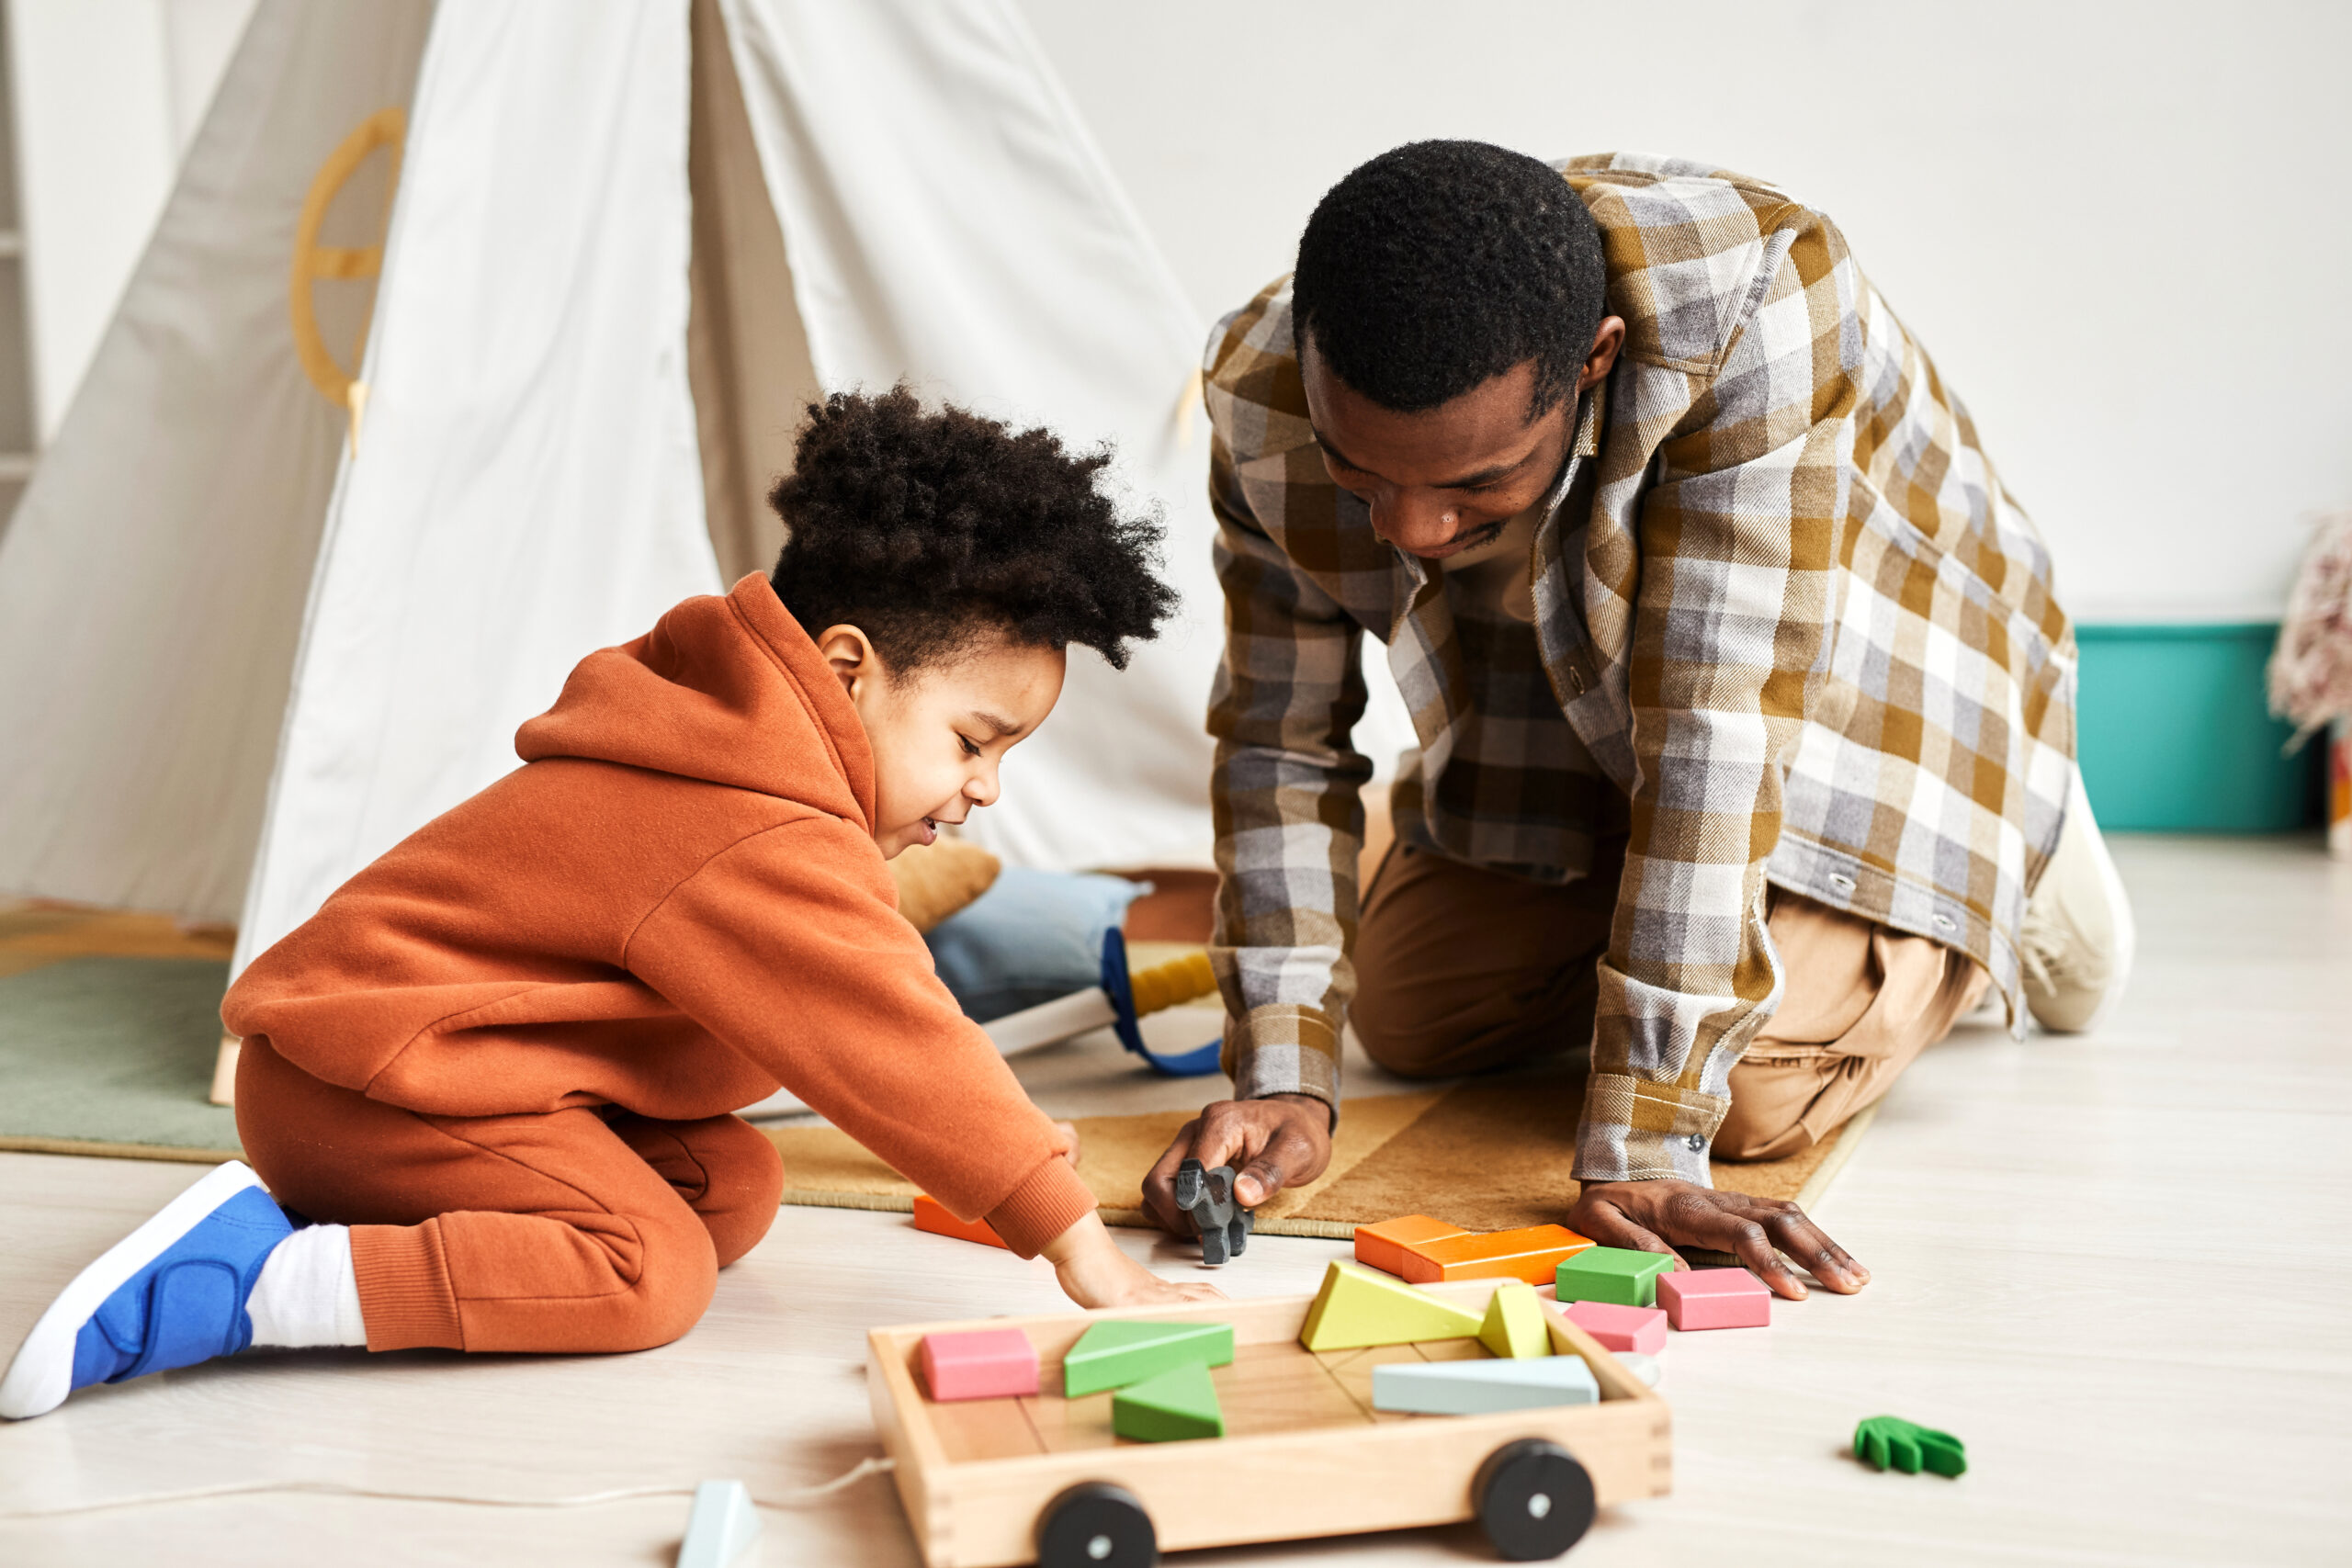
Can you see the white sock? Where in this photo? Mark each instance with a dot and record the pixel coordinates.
(306, 1294)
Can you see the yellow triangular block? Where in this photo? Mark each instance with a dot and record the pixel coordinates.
(1357, 1307)
(1515, 1325)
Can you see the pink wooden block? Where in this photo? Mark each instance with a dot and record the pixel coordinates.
(1714, 1298)
(987, 1363)
(1638, 1329)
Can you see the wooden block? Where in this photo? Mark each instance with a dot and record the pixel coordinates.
(1383, 1245)
(1357, 1306)
(1180, 1403)
(1639, 1329)
(1714, 1298)
(722, 1524)
(1533, 1254)
(1478, 1388)
(1611, 1274)
(1514, 1325)
(933, 1215)
(988, 1363)
(1115, 1354)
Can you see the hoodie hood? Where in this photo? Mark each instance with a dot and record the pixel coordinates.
(730, 691)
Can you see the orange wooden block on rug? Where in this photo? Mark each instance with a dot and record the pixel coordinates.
(933, 1215)
(1383, 1245)
(1531, 1253)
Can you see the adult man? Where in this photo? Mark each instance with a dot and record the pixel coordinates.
(1745, 710)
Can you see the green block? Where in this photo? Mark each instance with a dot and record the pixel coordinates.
(1888, 1441)
(1357, 1307)
(1611, 1274)
(1113, 1355)
(1179, 1403)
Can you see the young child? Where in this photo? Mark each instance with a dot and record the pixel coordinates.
(495, 1072)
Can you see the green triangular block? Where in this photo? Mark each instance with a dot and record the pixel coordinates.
(1180, 1403)
(1611, 1274)
(1358, 1307)
(1113, 1355)
(1515, 1325)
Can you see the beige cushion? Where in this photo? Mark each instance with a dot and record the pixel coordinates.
(937, 880)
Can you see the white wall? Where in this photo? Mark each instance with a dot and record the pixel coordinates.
(107, 95)
(2122, 231)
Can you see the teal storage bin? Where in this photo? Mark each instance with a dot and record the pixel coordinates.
(2175, 734)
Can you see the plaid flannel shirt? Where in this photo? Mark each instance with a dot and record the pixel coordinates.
(1788, 629)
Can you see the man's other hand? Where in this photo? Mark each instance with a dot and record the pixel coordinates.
(1645, 1216)
(1271, 1144)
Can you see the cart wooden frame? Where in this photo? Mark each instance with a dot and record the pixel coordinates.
(1306, 1455)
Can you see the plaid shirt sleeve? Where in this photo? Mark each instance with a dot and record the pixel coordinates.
(1738, 545)
(1286, 792)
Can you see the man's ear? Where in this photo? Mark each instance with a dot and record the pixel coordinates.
(850, 653)
(1603, 357)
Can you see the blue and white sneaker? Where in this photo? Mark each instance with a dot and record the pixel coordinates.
(169, 1294)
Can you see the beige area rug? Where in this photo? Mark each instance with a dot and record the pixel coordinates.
(1489, 1154)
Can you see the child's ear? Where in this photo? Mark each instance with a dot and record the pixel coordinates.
(850, 653)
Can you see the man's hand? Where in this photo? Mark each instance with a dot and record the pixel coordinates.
(1271, 1144)
(1644, 1216)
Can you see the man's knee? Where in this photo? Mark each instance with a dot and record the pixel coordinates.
(1765, 1120)
(1408, 1049)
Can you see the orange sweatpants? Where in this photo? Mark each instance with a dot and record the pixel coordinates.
(566, 1230)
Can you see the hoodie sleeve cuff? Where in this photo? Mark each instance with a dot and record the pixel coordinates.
(1049, 1201)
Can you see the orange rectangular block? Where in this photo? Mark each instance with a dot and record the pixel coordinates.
(1383, 1245)
(933, 1215)
(1531, 1255)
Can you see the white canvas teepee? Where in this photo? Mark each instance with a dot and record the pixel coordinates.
(250, 638)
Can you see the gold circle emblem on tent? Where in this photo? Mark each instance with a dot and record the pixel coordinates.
(386, 128)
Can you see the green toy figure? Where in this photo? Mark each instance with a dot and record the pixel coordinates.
(1889, 1440)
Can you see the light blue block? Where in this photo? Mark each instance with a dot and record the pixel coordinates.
(722, 1527)
(1479, 1388)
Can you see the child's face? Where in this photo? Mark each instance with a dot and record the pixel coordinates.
(940, 733)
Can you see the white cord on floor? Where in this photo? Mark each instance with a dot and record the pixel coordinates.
(798, 1497)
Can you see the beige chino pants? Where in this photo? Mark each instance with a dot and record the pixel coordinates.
(1460, 970)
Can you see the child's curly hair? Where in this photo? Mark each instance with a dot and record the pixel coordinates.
(929, 530)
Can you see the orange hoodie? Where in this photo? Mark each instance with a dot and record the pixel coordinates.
(674, 907)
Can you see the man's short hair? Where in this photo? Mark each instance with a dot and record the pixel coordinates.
(932, 529)
(1441, 265)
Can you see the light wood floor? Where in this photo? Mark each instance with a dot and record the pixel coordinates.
(2116, 1266)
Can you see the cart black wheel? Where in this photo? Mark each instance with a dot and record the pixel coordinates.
(1096, 1524)
(1534, 1500)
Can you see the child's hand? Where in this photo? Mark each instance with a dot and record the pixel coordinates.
(1069, 1130)
(1094, 1273)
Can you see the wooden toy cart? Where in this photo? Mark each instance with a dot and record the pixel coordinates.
(1015, 1481)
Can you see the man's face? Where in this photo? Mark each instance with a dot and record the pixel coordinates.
(1447, 479)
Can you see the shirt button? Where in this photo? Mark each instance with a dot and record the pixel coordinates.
(1697, 1142)
(1575, 682)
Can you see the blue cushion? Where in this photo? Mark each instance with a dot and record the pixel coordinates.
(1033, 937)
